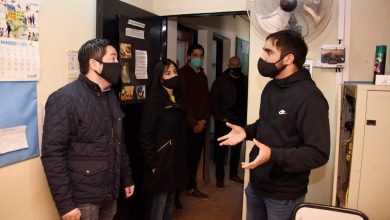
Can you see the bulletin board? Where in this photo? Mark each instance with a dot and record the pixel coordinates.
(242, 51)
(18, 109)
(134, 49)
(19, 71)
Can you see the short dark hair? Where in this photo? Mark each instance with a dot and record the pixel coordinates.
(161, 67)
(92, 49)
(193, 47)
(290, 42)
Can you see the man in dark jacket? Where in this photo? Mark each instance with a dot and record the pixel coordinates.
(83, 152)
(229, 104)
(291, 135)
(196, 96)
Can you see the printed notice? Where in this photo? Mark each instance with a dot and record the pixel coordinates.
(141, 64)
(135, 33)
(72, 64)
(136, 23)
(12, 139)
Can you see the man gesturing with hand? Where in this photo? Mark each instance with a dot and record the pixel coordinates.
(292, 134)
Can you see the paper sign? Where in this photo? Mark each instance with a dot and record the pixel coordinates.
(141, 64)
(72, 62)
(12, 139)
(131, 32)
(136, 23)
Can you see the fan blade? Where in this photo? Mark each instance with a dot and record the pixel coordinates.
(275, 21)
(316, 18)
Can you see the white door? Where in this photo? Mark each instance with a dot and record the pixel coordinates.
(374, 193)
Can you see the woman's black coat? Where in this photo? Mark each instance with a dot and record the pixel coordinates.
(163, 143)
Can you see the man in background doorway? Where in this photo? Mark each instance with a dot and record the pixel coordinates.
(229, 104)
(196, 95)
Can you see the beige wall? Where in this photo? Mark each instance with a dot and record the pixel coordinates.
(178, 7)
(67, 24)
(147, 5)
(63, 25)
(370, 27)
(172, 38)
(226, 27)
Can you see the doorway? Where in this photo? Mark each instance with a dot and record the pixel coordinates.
(221, 36)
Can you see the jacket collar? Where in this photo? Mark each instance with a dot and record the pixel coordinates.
(300, 75)
(93, 86)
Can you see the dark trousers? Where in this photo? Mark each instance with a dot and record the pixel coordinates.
(220, 153)
(98, 212)
(195, 145)
(161, 206)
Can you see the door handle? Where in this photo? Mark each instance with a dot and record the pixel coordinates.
(371, 122)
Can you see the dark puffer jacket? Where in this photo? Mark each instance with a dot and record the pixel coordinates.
(83, 153)
(163, 143)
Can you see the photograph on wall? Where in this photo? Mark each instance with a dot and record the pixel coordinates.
(125, 73)
(125, 51)
(332, 54)
(134, 48)
(242, 52)
(141, 92)
(19, 19)
(127, 93)
(19, 35)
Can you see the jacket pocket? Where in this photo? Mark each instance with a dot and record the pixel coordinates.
(88, 178)
(260, 174)
(165, 158)
(168, 143)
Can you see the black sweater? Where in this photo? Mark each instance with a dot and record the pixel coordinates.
(294, 123)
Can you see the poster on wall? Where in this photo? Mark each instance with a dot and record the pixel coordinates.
(242, 51)
(133, 46)
(19, 35)
(18, 122)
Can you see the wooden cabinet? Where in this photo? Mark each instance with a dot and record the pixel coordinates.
(362, 170)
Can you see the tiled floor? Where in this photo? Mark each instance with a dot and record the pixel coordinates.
(222, 205)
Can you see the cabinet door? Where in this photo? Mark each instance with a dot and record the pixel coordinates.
(374, 193)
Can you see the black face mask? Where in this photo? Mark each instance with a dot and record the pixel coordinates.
(171, 83)
(236, 71)
(269, 69)
(111, 72)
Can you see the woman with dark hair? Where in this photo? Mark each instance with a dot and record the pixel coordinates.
(163, 140)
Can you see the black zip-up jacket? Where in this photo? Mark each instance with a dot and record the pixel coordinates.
(162, 138)
(83, 152)
(294, 123)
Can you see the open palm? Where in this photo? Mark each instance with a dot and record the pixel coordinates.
(235, 136)
(263, 156)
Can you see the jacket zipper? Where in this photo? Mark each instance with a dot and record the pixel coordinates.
(166, 144)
